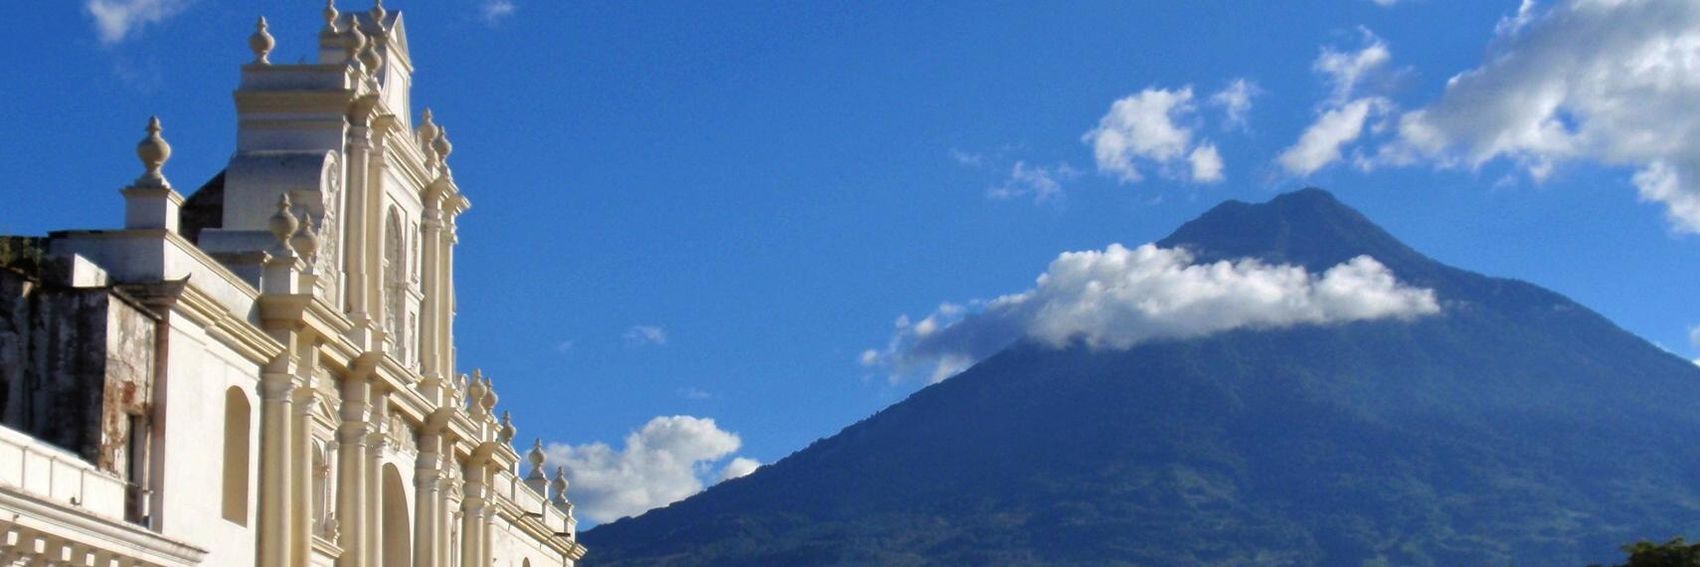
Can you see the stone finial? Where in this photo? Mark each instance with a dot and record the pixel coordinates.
(284, 223)
(379, 13)
(306, 240)
(428, 130)
(475, 391)
(558, 486)
(489, 400)
(369, 53)
(507, 433)
(356, 43)
(442, 145)
(262, 43)
(153, 151)
(331, 15)
(537, 459)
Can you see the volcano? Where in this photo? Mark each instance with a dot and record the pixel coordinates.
(1516, 427)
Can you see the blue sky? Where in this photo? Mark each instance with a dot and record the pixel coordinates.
(713, 209)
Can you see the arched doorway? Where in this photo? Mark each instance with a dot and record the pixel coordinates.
(398, 530)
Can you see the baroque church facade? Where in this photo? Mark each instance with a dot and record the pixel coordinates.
(263, 371)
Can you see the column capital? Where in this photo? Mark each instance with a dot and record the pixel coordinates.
(306, 400)
(277, 387)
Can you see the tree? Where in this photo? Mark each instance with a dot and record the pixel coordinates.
(1673, 553)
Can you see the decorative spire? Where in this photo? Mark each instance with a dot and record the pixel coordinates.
(490, 399)
(306, 240)
(262, 43)
(369, 56)
(153, 151)
(428, 129)
(558, 487)
(331, 15)
(506, 434)
(356, 44)
(475, 391)
(537, 459)
(284, 223)
(379, 13)
(442, 145)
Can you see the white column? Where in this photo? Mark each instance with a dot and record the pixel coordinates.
(277, 397)
(374, 231)
(376, 442)
(431, 357)
(447, 285)
(446, 507)
(357, 248)
(351, 472)
(425, 475)
(472, 519)
(307, 401)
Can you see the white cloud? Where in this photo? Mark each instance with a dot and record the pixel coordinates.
(495, 11)
(1206, 164)
(1235, 100)
(1541, 98)
(1694, 340)
(1344, 115)
(1120, 297)
(1043, 183)
(117, 20)
(1148, 129)
(968, 159)
(1346, 71)
(694, 394)
(1385, 3)
(564, 346)
(739, 467)
(1321, 142)
(667, 460)
(640, 335)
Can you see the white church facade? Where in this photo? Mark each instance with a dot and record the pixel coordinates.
(263, 371)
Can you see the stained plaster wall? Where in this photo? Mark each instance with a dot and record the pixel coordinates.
(76, 366)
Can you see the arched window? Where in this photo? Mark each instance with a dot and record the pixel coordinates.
(237, 428)
(397, 524)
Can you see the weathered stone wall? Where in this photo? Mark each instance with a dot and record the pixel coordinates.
(75, 365)
(15, 291)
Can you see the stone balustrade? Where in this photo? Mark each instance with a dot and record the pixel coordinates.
(53, 474)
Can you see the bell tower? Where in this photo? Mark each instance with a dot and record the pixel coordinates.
(336, 138)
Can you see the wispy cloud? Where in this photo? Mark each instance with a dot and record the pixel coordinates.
(668, 460)
(965, 158)
(1043, 183)
(1120, 297)
(1694, 341)
(494, 12)
(117, 20)
(1346, 113)
(1235, 101)
(564, 347)
(691, 393)
(640, 335)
